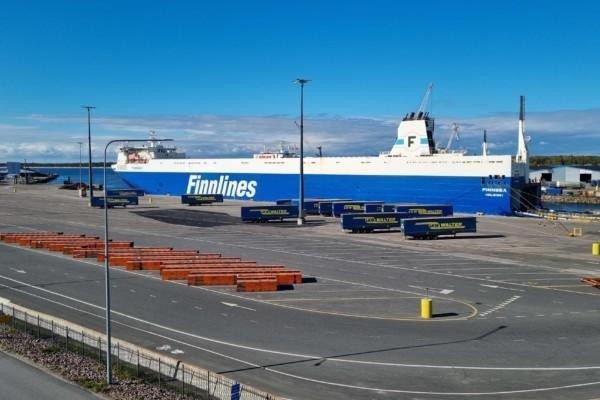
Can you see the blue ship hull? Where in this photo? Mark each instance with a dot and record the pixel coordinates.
(466, 194)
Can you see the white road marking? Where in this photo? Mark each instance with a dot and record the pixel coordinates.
(435, 290)
(165, 347)
(257, 349)
(177, 351)
(19, 271)
(500, 306)
(500, 287)
(237, 306)
(535, 390)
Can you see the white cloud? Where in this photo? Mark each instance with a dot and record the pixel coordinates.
(53, 138)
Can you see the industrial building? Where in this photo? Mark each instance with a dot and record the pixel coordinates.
(566, 175)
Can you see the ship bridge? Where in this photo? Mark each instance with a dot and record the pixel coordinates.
(142, 154)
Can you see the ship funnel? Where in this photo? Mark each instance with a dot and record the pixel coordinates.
(485, 148)
(522, 153)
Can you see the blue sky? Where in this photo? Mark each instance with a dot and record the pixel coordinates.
(216, 76)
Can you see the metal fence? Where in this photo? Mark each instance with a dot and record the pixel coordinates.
(188, 380)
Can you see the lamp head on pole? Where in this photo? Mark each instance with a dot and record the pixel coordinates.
(301, 81)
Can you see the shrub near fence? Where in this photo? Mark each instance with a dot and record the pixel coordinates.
(133, 360)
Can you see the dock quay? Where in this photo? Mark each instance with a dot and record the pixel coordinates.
(511, 316)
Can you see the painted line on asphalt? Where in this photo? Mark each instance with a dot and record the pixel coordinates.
(500, 306)
(340, 299)
(407, 250)
(258, 349)
(154, 277)
(534, 390)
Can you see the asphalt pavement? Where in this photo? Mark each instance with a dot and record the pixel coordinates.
(511, 318)
(21, 381)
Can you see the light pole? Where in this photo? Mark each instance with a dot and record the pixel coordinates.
(90, 152)
(106, 269)
(302, 82)
(80, 172)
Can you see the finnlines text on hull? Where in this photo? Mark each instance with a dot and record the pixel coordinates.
(241, 188)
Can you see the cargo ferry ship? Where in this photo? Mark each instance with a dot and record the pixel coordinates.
(414, 170)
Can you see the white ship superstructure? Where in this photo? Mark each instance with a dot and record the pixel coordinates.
(412, 171)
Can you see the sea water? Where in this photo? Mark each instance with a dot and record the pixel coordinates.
(113, 180)
(572, 207)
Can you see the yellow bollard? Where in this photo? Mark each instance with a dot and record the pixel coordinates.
(14, 189)
(426, 308)
(149, 200)
(596, 249)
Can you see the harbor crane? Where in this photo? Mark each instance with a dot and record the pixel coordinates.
(453, 135)
(425, 99)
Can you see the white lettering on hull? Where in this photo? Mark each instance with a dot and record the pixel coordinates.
(224, 186)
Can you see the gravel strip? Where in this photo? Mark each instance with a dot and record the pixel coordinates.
(81, 370)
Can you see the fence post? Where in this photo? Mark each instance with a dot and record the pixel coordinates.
(137, 367)
(67, 339)
(38, 322)
(52, 328)
(118, 355)
(13, 318)
(192, 387)
(208, 384)
(99, 349)
(159, 372)
(82, 344)
(182, 380)
(25, 322)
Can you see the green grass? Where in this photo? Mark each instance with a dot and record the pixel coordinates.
(94, 386)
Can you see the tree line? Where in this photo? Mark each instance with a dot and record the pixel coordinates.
(548, 161)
